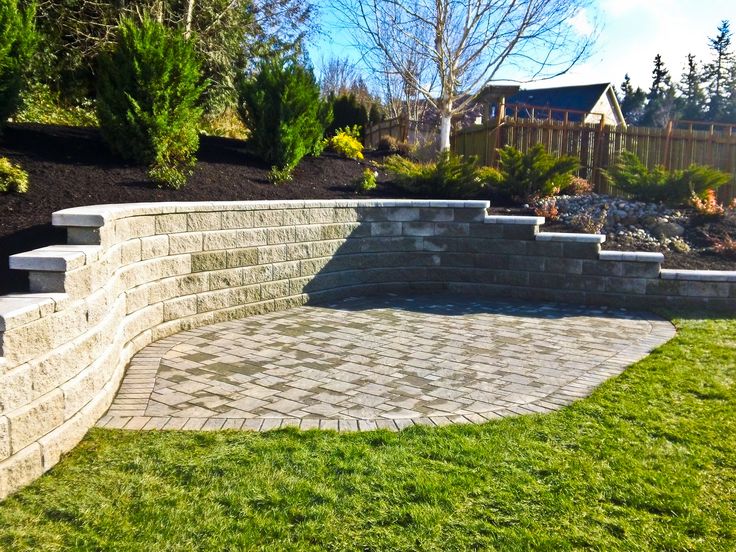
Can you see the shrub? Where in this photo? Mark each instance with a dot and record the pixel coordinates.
(347, 143)
(452, 176)
(589, 222)
(389, 144)
(546, 207)
(534, 173)
(367, 183)
(282, 109)
(709, 206)
(148, 99)
(725, 246)
(347, 111)
(39, 104)
(675, 187)
(12, 177)
(577, 186)
(17, 43)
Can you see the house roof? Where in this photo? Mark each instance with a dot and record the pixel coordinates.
(579, 98)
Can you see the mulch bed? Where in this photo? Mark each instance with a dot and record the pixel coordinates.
(70, 167)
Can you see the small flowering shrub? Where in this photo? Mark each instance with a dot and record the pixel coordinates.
(346, 142)
(12, 177)
(709, 206)
(367, 183)
(578, 186)
(546, 207)
(589, 222)
(725, 246)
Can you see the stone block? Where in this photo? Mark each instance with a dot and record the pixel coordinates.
(171, 224)
(256, 274)
(286, 270)
(225, 239)
(16, 388)
(636, 286)
(526, 264)
(543, 248)
(180, 307)
(242, 257)
(134, 227)
(190, 284)
(20, 469)
(221, 279)
(599, 268)
(30, 422)
(486, 231)
(136, 298)
(581, 250)
(345, 214)
(332, 247)
(273, 290)
(237, 219)
(704, 289)
(470, 214)
(268, 218)
(210, 260)
(417, 229)
(189, 242)
(199, 222)
(501, 247)
(272, 254)
(640, 269)
(4, 438)
(452, 229)
(519, 231)
(154, 246)
(399, 214)
(436, 214)
(380, 245)
(309, 267)
(385, 228)
(281, 235)
(82, 235)
(562, 264)
(130, 251)
(307, 233)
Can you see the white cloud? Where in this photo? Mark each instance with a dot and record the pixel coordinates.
(581, 23)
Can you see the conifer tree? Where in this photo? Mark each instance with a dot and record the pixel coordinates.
(717, 72)
(661, 100)
(17, 41)
(632, 101)
(693, 101)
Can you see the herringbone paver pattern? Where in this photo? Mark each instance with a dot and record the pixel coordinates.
(381, 363)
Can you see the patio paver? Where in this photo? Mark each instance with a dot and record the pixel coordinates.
(381, 362)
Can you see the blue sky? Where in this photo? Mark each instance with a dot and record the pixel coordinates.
(631, 33)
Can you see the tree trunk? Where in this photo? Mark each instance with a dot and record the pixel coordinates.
(445, 124)
(188, 19)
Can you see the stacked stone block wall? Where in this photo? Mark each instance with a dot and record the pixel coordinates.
(133, 274)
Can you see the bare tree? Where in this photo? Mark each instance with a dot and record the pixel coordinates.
(462, 45)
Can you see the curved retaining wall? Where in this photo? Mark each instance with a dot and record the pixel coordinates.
(133, 274)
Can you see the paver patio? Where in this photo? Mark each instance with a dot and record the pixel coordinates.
(381, 362)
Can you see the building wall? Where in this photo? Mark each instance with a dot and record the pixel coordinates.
(133, 274)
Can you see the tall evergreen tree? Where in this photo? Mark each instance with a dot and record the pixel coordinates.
(661, 104)
(717, 72)
(693, 101)
(632, 101)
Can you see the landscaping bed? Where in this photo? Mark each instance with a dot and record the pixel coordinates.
(71, 166)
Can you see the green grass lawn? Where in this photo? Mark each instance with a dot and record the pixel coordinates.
(646, 463)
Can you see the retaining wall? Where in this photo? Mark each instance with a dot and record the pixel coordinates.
(132, 274)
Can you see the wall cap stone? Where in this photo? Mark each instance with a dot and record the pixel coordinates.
(98, 215)
(631, 256)
(504, 219)
(571, 237)
(55, 258)
(699, 275)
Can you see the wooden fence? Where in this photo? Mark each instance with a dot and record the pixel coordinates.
(598, 146)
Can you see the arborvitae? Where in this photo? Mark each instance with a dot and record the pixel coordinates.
(717, 72)
(17, 42)
(347, 112)
(282, 109)
(692, 95)
(149, 90)
(632, 101)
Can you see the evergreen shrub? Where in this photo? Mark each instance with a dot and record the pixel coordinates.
(535, 173)
(17, 43)
(674, 187)
(148, 100)
(346, 142)
(12, 177)
(451, 177)
(282, 109)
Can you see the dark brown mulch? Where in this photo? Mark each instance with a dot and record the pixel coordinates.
(70, 167)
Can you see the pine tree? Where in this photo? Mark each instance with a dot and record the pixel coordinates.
(662, 100)
(717, 72)
(632, 101)
(17, 43)
(693, 101)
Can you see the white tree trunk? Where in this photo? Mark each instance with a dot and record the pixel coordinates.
(445, 124)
